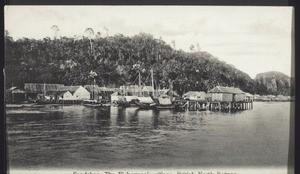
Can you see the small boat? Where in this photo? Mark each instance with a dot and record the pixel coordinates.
(123, 104)
(165, 106)
(92, 104)
(145, 105)
(164, 102)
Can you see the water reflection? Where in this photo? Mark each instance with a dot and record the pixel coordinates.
(120, 137)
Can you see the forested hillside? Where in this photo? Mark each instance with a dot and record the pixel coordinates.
(70, 60)
(276, 82)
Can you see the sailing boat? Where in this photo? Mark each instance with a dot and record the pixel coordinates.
(145, 102)
(92, 103)
(165, 101)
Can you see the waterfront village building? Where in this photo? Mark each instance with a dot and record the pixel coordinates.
(15, 95)
(98, 93)
(132, 92)
(265, 98)
(33, 90)
(256, 97)
(194, 95)
(94, 91)
(226, 94)
(79, 93)
(105, 92)
(64, 95)
(249, 97)
(135, 90)
(271, 97)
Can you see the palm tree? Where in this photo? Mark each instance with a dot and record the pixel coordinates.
(89, 32)
(56, 30)
(107, 31)
(92, 75)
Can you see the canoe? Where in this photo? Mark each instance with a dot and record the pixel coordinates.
(145, 105)
(165, 106)
(93, 105)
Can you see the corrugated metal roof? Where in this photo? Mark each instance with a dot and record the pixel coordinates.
(147, 88)
(11, 89)
(72, 89)
(195, 93)
(223, 89)
(249, 95)
(92, 88)
(18, 91)
(40, 87)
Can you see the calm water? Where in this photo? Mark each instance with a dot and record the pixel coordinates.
(75, 136)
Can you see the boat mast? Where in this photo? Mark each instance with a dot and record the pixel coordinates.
(12, 94)
(140, 84)
(93, 95)
(44, 90)
(152, 83)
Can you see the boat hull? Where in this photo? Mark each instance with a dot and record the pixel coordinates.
(93, 105)
(165, 106)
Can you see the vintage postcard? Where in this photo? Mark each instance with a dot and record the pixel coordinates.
(149, 89)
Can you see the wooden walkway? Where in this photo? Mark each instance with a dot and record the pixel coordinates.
(212, 106)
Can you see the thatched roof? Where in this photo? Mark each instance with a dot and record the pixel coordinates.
(40, 87)
(223, 89)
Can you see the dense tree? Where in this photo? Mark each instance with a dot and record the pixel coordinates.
(70, 61)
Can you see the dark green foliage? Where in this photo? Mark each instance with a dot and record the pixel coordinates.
(276, 82)
(69, 61)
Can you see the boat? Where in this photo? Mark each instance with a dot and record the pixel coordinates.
(165, 106)
(144, 105)
(164, 102)
(92, 104)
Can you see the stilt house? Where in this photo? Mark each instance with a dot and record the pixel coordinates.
(226, 94)
(194, 95)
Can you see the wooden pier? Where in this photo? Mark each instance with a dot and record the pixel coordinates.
(213, 105)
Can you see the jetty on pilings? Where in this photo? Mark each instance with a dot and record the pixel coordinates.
(219, 98)
(212, 105)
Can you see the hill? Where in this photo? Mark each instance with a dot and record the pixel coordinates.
(114, 59)
(276, 82)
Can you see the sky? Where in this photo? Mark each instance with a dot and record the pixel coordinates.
(253, 39)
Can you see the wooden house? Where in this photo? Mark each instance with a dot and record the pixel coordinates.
(271, 97)
(130, 90)
(94, 91)
(79, 93)
(256, 97)
(265, 98)
(248, 97)
(194, 95)
(280, 98)
(226, 94)
(15, 95)
(64, 95)
(33, 89)
(106, 92)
